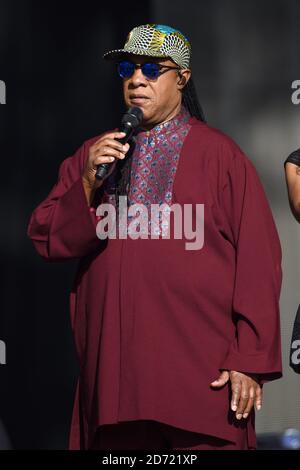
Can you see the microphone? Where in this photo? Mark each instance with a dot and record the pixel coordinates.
(130, 121)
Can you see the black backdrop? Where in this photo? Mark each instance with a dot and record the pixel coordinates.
(59, 93)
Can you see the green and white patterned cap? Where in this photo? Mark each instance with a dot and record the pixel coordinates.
(155, 40)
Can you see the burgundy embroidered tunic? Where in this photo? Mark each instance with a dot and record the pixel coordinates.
(155, 323)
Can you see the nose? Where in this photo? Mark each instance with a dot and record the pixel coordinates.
(138, 78)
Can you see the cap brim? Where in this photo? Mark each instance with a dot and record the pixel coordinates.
(117, 53)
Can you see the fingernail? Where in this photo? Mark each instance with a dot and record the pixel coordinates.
(258, 407)
(239, 416)
(234, 407)
(245, 415)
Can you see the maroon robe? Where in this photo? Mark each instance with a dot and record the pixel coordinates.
(154, 323)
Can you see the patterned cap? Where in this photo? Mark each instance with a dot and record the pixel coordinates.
(156, 40)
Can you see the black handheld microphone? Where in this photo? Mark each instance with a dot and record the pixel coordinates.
(130, 121)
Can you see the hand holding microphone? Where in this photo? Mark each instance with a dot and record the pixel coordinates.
(130, 121)
(105, 152)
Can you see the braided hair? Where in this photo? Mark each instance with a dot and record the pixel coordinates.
(191, 102)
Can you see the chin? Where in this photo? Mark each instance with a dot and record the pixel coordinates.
(143, 104)
(147, 117)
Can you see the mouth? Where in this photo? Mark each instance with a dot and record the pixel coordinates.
(138, 99)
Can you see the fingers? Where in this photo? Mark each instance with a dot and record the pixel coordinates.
(258, 398)
(245, 392)
(250, 403)
(111, 143)
(109, 140)
(104, 150)
(100, 160)
(236, 388)
(110, 148)
(246, 401)
(111, 135)
(222, 380)
(107, 150)
(107, 153)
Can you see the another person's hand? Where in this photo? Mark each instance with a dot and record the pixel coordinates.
(245, 389)
(104, 150)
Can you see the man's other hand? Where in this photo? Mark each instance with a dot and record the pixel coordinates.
(245, 389)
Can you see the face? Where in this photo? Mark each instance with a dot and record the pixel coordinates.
(160, 98)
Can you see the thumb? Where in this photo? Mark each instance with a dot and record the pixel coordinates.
(222, 380)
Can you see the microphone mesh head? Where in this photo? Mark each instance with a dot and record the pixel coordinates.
(134, 116)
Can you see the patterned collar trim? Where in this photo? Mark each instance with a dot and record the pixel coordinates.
(169, 126)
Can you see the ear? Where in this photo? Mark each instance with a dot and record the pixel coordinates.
(184, 76)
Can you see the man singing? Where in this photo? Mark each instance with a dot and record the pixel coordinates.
(174, 344)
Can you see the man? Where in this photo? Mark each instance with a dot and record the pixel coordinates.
(174, 344)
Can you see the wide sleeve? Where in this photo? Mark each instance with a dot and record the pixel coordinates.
(256, 348)
(63, 226)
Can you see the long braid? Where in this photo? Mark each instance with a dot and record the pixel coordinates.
(191, 102)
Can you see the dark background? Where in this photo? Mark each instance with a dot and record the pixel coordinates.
(60, 93)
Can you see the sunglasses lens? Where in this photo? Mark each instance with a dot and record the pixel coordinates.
(150, 70)
(125, 69)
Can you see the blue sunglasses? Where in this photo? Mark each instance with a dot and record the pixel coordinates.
(150, 70)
